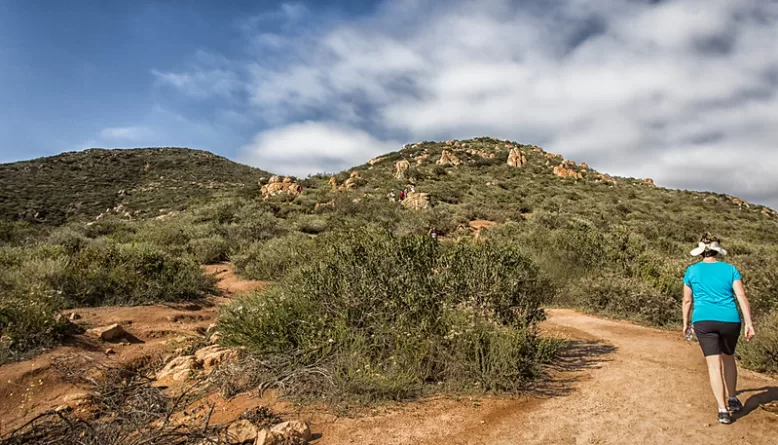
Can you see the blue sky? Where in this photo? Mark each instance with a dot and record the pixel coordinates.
(683, 91)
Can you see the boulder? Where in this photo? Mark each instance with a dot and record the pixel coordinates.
(178, 369)
(448, 158)
(401, 169)
(334, 183)
(516, 158)
(351, 182)
(649, 181)
(266, 437)
(584, 166)
(376, 160)
(242, 432)
(278, 186)
(417, 201)
(295, 429)
(109, 333)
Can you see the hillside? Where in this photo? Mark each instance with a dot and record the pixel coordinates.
(84, 184)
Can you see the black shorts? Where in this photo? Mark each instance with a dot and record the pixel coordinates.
(717, 337)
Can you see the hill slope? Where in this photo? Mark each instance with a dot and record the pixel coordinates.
(81, 185)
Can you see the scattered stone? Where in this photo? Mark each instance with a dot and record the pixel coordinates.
(211, 357)
(242, 432)
(295, 429)
(109, 333)
(180, 368)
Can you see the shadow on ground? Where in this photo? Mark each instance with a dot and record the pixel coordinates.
(576, 356)
(756, 398)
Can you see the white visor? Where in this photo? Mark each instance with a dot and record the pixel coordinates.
(702, 247)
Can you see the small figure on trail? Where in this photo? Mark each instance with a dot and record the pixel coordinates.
(711, 292)
(299, 189)
(391, 196)
(434, 234)
(402, 195)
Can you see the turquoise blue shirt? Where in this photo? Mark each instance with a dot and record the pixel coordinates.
(714, 296)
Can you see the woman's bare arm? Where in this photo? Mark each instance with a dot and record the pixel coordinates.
(687, 306)
(745, 307)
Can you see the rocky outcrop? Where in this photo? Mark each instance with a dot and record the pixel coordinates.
(584, 166)
(277, 186)
(417, 201)
(601, 177)
(516, 158)
(334, 183)
(420, 158)
(448, 158)
(401, 170)
(351, 182)
(376, 160)
(649, 182)
(567, 170)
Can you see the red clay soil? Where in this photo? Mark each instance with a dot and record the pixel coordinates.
(30, 387)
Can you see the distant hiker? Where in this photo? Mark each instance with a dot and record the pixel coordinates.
(392, 195)
(413, 189)
(402, 195)
(711, 288)
(434, 234)
(299, 189)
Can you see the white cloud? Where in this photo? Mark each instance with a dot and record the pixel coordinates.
(126, 134)
(635, 88)
(313, 147)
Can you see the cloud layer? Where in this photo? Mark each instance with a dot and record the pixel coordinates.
(682, 91)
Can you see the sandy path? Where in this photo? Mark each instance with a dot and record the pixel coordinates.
(621, 383)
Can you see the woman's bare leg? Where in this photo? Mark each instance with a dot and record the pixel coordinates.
(716, 380)
(730, 374)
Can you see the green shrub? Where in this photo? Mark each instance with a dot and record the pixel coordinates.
(624, 298)
(272, 259)
(383, 316)
(211, 250)
(29, 321)
(761, 353)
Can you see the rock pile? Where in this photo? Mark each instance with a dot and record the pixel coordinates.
(278, 186)
(448, 158)
(516, 158)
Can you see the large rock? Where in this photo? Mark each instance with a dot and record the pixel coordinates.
(334, 183)
(295, 429)
(401, 169)
(178, 369)
(649, 182)
(242, 432)
(113, 332)
(516, 158)
(448, 158)
(417, 201)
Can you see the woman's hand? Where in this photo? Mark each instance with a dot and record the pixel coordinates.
(750, 332)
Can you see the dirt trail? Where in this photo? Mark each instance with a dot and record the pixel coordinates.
(620, 383)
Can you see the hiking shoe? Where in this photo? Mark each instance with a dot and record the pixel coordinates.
(725, 418)
(734, 405)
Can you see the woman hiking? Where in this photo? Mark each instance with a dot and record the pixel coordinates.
(711, 288)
